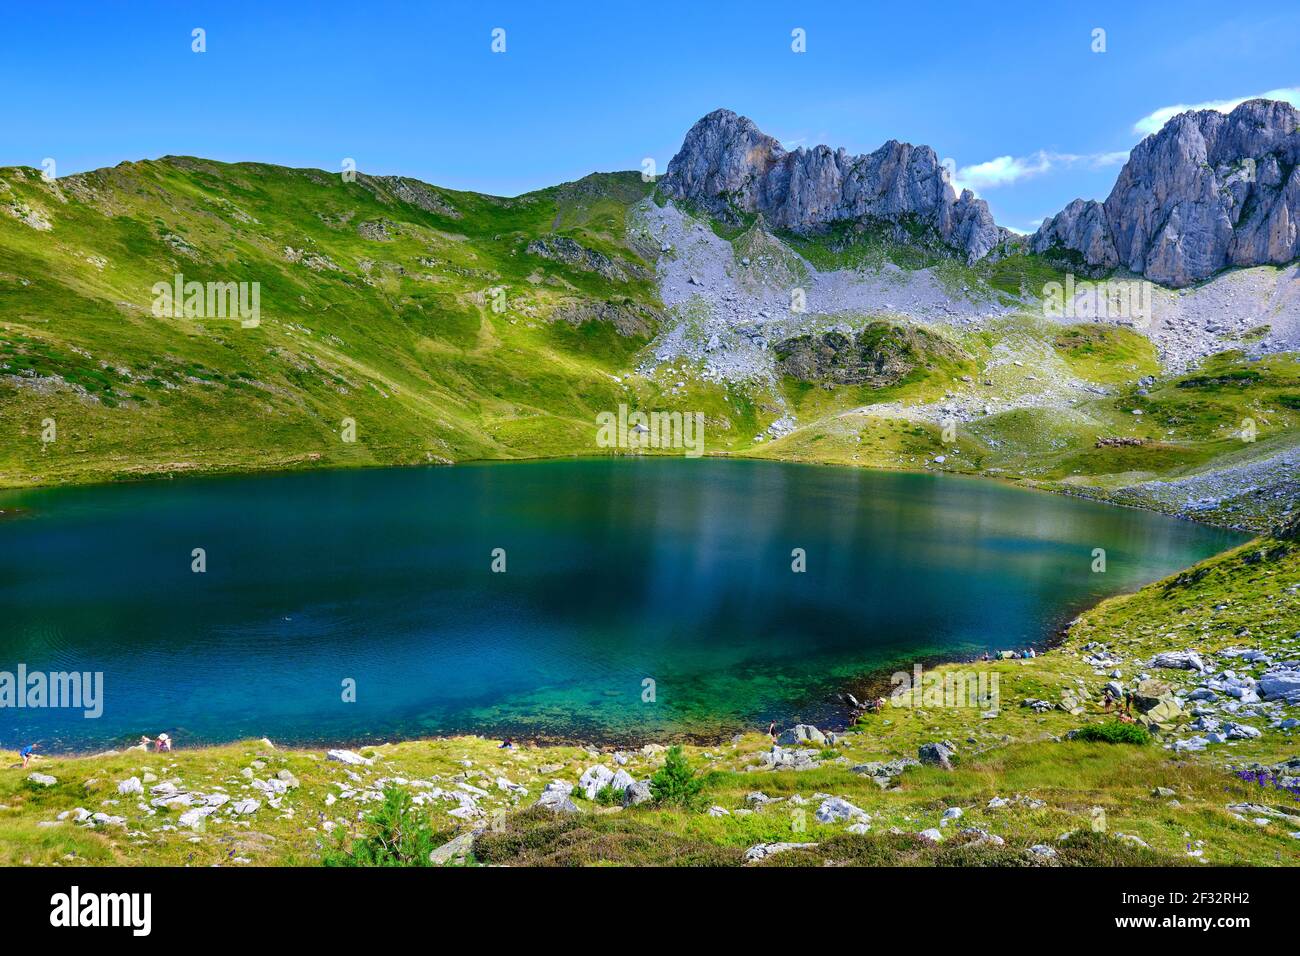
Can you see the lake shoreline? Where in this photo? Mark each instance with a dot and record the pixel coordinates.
(827, 701)
(305, 467)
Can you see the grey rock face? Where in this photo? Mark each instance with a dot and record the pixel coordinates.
(1206, 192)
(566, 250)
(1080, 227)
(726, 164)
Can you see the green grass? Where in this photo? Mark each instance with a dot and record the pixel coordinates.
(1107, 354)
(399, 336)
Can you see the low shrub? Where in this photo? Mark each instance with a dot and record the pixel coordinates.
(396, 834)
(1113, 732)
(676, 783)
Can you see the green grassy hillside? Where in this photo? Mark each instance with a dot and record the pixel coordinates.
(376, 301)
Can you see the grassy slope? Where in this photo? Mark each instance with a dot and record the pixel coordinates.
(393, 328)
(1256, 588)
(1188, 422)
(399, 336)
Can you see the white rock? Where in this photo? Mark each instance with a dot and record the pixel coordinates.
(193, 817)
(557, 801)
(834, 809)
(594, 779)
(348, 757)
(762, 851)
(509, 787)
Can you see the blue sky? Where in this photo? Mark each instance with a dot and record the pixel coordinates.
(1011, 92)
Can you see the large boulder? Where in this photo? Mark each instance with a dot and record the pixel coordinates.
(885, 769)
(1163, 717)
(1179, 660)
(787, 758)
(1150, 693)
(637, 794)
(557, 801)
(595, 779)
(936, 755)
(348, 757)
(1236, 731)
(801, 734)
(836, 809)
(1282, 682)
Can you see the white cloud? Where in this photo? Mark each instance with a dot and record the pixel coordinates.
(1152, 122)
(1001, 171)
(1005, 170)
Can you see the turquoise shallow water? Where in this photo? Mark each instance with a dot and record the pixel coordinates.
(616, 571)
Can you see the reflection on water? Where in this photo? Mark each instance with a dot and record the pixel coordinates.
(616, 571)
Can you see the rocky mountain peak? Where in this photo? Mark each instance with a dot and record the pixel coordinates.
(727, 165)
(1207, 191)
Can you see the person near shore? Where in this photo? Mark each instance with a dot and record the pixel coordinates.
(163, 744)
(507, 744)
(771, 730)
(29, 754)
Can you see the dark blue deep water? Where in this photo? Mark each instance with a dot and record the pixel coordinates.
(616, 571)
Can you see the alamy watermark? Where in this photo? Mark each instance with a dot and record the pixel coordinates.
(1124, 299)
(77, 690)
(76, 909)
(637, 429)
(921, 688)
(179, 299)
